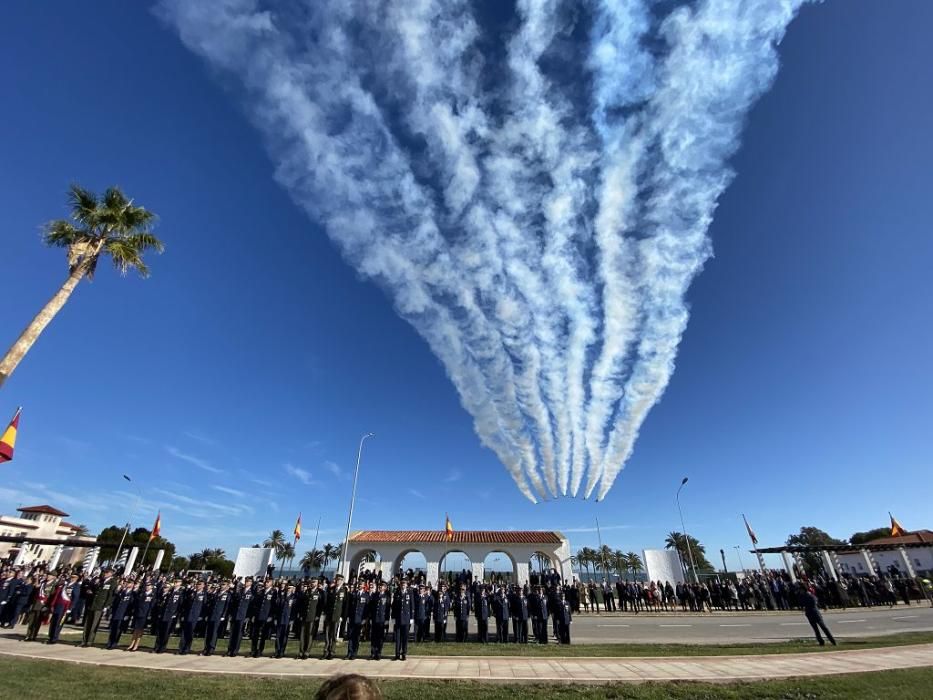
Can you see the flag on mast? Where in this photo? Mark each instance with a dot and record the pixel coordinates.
(157, 528)
(897, 529)
(448, 528)
(298, 528)
(751, 533)
(8, 439)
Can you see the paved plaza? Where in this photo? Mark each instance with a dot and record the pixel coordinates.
(571, 670)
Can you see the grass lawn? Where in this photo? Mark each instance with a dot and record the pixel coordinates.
(577, 650)
(27, 678)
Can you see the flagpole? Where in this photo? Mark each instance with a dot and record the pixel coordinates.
(356, 476)
(761, 562)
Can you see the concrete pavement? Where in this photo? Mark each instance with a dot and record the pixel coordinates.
(515, 669)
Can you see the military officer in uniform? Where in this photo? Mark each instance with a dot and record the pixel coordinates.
(285, 611)
(101, 595)
(481, 612)
(380, 610)
(564, 618)
(143, 605)
(263, 607)
(168, 611)
(310, 609)
(191, 615)
(219, 604)
(119, 608)
(401, 616)
(357, 605)
(334, 611)
(501, 609)
(461, 608)
(441, 610)
(421, 601)
(518, 607)
(537, 604)
(240, 609)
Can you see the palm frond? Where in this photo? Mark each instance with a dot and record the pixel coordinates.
(144, 241)
(61, 234)
(83, 205)
(125, 257)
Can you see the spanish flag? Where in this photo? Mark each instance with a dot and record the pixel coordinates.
(448, 528)
(751, 533)
(8, 439)
(896, 529)
(157, 528)
(298, 528)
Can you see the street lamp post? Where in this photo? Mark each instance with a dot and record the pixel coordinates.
(738, 551)
(683, 528)
(356, 475)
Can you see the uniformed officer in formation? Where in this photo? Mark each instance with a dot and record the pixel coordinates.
(240, 609)
(421, 613)
(538, 606)
(143, 606)
(518, 607)
(194, 602)
(169, 609)
(334, 611)
(441, 611)
(501, 610)
(119, 609)
(380, 611)
(219, 603)
(357, 606)
(101, 594)
(481, 612)
(401, 617)
(311, 607)
(286, 611)
(261, 619)
(461, 608)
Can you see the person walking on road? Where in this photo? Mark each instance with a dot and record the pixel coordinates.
(812, 610)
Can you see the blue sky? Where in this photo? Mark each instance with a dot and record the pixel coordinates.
(234, 384)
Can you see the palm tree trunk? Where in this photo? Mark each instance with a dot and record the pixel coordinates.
(26, 339)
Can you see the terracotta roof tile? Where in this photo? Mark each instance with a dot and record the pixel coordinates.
(48, 510)
(915, 537)
(461, 537)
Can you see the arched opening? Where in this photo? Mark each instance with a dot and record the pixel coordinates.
(540, 567)
(366, 563)
(456, 567)
(499, 567)
(411, 564)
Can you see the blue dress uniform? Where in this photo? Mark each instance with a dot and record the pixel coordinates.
(263, 607)
(240, 608)
(440, 612)
(122, 600)
(356, 614)
(539, 615)
(481, 612)
(421, 602)
(191, 615)
(169, 610)
(501, 609)
(518, 607)
(401, 616)
(143, 604)
(461, 607)
(380, 610)
(285, 610)
(219, 604)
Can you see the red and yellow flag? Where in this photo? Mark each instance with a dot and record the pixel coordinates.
(298, 528)
(897, 529)
(8, 439)
(448, 528)
(751, 533)
(157, 528)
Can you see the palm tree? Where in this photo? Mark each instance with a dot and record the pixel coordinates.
(634, 563)
(276, 542)
(619, 563)
(81, 531)
(330, 553)
(109, 225)
(586, 557)
(605, 559)
(287, 553)
(312, 559)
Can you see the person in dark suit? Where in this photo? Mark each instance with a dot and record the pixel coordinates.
(20, 599)
(357, 605)
(380, 611)
(538, 606)
(811, 609)
(59, 603)
(219, 603)
(261, 618)
(421, 601)
(461, 607)
(564, 618)
(193, 606)
(311, 606)
(101, 596)
(441, 610)
(286, 610)
(240, 609)
(119, 609)
(169, 609)
(144, 603)
(481, 612)
(401, 617)
(335, 610)
(501, 609)
(518, 608)
(9, 589)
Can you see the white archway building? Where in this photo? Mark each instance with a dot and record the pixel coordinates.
(391, 546)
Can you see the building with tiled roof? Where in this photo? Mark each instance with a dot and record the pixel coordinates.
(521, 547)
(34, 536)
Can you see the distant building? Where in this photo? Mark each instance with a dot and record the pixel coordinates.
(38, 531)
(918, 546)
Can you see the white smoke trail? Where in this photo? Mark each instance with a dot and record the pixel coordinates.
(538, 228)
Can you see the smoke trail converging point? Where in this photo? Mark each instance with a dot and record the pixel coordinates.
(532, 191)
